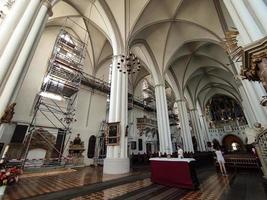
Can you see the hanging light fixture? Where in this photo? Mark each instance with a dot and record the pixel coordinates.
(129, 64)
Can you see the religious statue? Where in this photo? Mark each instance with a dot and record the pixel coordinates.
(8, 115)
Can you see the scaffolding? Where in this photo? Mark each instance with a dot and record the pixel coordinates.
(101, 148)
(57, 98)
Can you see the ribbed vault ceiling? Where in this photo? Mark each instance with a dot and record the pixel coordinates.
(178, 37)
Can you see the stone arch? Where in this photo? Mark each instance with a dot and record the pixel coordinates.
(229, 139)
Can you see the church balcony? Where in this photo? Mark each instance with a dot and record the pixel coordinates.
(145, 122)
(220, 133)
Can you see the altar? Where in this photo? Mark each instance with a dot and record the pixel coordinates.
(174, 172)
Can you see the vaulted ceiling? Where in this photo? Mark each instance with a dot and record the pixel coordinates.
(178, 38)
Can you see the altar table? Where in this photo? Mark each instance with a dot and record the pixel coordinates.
(174, 172)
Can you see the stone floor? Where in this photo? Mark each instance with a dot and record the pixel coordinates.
(30, 186)
(90, 184)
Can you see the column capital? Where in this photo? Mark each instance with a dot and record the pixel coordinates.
(48, 4)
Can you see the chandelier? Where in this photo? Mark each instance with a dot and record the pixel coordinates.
(129, 64)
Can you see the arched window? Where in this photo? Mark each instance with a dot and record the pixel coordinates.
(91, 147)
(140, 145)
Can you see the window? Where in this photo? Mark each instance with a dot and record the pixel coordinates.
(140, 144)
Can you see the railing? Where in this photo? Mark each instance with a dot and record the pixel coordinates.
(223, 130)
(103, 86)
(146, 122)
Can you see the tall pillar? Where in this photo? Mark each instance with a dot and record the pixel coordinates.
(237, 21)
(248, 92)
(205, 128)
(247, 108)
(260, 114)
(197, 129)
(163, 119)
(124, 117)
(250, 32)
(185, 128)
(22, 64)
(16, 40)
(117, 161)
(247, 20)
(260, 10)
(11, 21)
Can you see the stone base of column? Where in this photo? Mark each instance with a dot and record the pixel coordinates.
(116, 165)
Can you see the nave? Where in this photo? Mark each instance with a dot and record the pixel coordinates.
(133, 99)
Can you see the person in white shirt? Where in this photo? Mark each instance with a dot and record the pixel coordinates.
(221, 161)
(180, 152)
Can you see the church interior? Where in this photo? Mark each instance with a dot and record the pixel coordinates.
(133, 99)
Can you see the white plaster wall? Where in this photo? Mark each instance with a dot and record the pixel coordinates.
(90, 108)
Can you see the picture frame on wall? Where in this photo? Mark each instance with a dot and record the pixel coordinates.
(113, 134)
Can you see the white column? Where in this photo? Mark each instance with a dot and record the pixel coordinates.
(240, 27)
(124, 116)
(197, 129)
(117, 161)
(247, 108)
(258, 111)
(201, 134)
(166, 124)
(17, 38)
(113, 89)
(112, 101)
(22, 62)
(118, 109)
(207, 128)
(185, 128)
(247, 20)
(163, 119)
(159, 121)
(125, 120)
(10, 22)
(260, 10)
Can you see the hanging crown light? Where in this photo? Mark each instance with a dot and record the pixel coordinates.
(129, 64)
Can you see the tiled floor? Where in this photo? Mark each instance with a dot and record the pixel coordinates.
(116, 191)
(210, 189)
(32, 186)
(246, 185)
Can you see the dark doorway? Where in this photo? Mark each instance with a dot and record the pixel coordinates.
(91, 147)
(148, 148)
